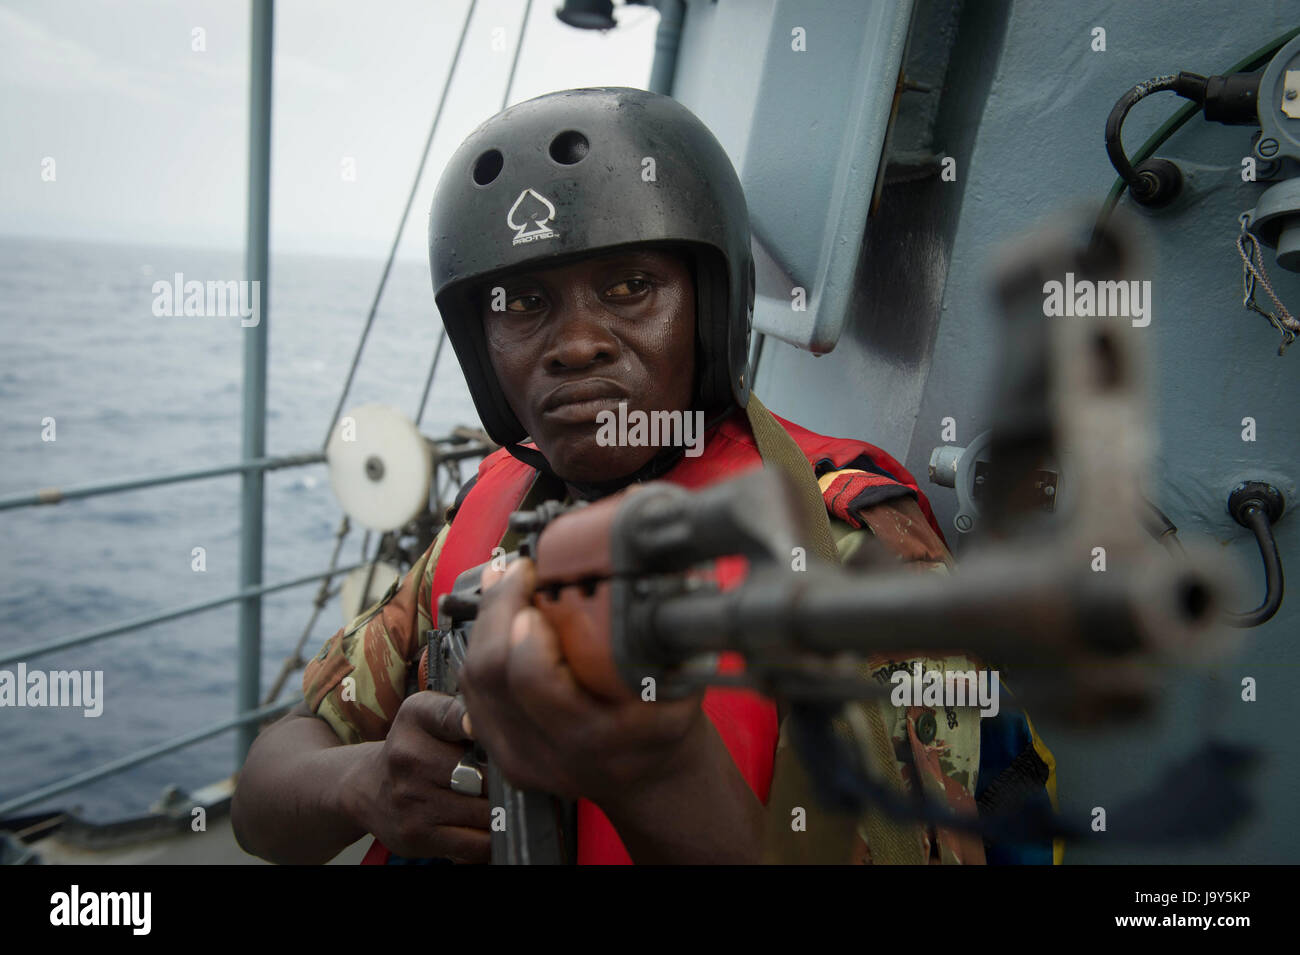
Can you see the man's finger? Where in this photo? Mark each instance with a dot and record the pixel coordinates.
(457, 843)
(457, 809)
(517, 580)
(490, 576)
(489, 647)
(466, 845)
(540, 682)
(438, 714)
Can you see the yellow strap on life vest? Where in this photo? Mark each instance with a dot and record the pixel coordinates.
(892, 841)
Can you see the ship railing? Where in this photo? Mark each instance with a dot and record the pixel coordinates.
(250, 709)
(452, 448)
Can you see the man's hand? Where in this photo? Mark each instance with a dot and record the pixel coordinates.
(402, 789)
(542, 728)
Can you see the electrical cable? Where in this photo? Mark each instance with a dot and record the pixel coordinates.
(1258, 521)
(1160, 527)
(1145, 183)
(1254, 61)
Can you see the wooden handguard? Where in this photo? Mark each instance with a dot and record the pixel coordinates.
(574, 567)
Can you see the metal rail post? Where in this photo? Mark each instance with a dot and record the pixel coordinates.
(254, 414)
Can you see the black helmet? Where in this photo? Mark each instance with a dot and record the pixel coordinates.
(579, 171)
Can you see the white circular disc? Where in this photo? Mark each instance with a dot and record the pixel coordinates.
(350, 599)
(380, 467)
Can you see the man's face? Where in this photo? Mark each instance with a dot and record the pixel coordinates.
(577, 339)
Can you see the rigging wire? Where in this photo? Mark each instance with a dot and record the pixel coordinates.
(294, 661)
(505, 101)
(401, 226)
(514, 63)
(428, 381)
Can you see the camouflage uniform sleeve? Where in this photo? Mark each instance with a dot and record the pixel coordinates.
(358, 680)
(898, 525)
(938, 748)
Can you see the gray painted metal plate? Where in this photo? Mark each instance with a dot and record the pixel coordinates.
(806, 128)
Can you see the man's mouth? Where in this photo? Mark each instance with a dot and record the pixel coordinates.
(581, 401)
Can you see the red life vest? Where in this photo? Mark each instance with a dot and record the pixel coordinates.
(746, 721)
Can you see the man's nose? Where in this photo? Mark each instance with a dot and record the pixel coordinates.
(580, 336)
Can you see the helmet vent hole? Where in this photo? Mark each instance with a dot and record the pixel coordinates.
(569, 147)
(488, 167)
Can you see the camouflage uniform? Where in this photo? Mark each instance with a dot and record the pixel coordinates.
(378, 650)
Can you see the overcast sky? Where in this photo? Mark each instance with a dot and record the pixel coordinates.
(149, 136)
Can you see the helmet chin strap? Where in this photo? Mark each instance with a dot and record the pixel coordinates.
(656, 467)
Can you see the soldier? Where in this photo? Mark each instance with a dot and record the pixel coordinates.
(591, 248)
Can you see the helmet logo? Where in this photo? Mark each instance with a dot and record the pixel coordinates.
(536, 211)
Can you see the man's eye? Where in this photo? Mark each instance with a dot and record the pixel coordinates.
(524, 303)
(628, 288)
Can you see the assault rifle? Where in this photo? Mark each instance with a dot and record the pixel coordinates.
(621, 578)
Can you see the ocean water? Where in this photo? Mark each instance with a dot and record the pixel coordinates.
(134, 394)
